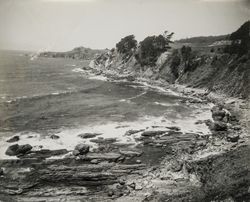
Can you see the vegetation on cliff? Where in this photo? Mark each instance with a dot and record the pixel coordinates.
(152, 47)
(222, 65)
(127, 46)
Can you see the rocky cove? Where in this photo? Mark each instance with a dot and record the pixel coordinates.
(203, 157)
(165, 164)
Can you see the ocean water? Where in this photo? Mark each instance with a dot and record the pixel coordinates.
(48, 96)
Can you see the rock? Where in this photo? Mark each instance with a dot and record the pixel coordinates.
(218, 113)
(233, 137)
(138, 187)
(16, 149)
(45, 153)
(1, 172)
(199, 122)
(54, 137)
(13, 139)
(76, 152)
(130, 153)
(152, 133)
(81, 149)
(237, 128)
(138, 161)
(132, 185)
(176, 166)
(88, 135)
(94, 161)
(102, 156)
(122, 182)
(110, 193)
(175, 128)
(101, 140)
(131, 132)
(218, 126)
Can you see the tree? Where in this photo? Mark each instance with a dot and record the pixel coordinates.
(127, 45)
(152, 47)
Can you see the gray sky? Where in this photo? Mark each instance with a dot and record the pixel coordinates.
(65, 24)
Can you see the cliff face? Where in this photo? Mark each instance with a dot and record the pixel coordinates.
(214, 68)
(221, 73)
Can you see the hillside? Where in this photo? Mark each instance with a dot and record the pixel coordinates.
(218, 67)
(203, 39)
(80, 53)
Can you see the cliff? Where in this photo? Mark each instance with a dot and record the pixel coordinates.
(221, 66)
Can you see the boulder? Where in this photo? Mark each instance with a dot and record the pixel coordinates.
(233, 137)
(176, 165)
(88, 135)
(81, 149)
(131, 132)
(54, 137)
(13, 139)
(218, 126)
(15, 150)
(153, 133)
(218, 113)
(175, 128)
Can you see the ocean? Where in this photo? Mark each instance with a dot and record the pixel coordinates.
(46, 96)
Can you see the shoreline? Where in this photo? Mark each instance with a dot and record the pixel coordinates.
(179, 175)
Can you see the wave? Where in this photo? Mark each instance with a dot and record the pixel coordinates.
(42, 96)
(78, 70)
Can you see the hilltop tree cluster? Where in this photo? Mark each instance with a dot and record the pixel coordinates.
(148, 50)
(151, 48)
(127, 46)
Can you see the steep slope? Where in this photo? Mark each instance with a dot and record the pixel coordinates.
(221, 68)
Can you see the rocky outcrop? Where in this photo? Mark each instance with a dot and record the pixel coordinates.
(13, 139)
(219, 71)
(88, 135)
(81, 149)
(16, 150)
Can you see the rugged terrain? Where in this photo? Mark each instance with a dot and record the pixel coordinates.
(167, 164)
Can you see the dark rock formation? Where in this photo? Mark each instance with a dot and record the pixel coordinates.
(218, 113)
(13, 139)
(218, 126)
(233, 137)
(54, 137)
(88, 135)
(81, 149)
(15, 150)
(131, 132)
(152, 133)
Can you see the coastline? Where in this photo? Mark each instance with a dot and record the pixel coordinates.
(180, 171)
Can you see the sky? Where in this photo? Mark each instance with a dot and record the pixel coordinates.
(60, 25)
